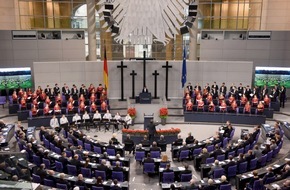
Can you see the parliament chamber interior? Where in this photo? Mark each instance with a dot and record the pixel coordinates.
(137, 95)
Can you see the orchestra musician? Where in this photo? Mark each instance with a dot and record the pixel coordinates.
(46, 110)
(282, 96)
(63, 120)
(211, 107)
(70, 108)
(260, 108)
(214, 86)
(76, 119)
(244, 100)
(25, 96)
(93, 107)
(86, 118)
(74, 92)
(108, 117)
(93, 97)
(223, 89)
(240, 90)
(56, 109)
(42, 97)
(209, 97)
(267, 101)
(214, 93)
(247, 108)
(197, 89)
(58, 99)
(198, 97)
(35, 103)
(23, 104)
(200, 105)
(223, 106)
(231, 99)
(34, 111)
(264, 91)
(91, 88)
(221, 98)
(47, 90)
(104, 106)
(63, 89)
(189, 88)
(128, 121)
(145, 90)
(97, 116)
(248, 92)
(187, 97)
(34, 95)
(39, 90)
(234, 106)
(274, 94)
(117, 117)
(103, 96)
(82, 98)
(189, 105)
(47, 101)
(29, 92)
(99, 91)
(204, 92)
(20, 93)
(255, 101)
(82, 107)
(14, 97)
(56, 90)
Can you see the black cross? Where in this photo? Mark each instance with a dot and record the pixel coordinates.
(155, 74)
(166, 79)
(133, 74)
(144, 66)
(122, 66)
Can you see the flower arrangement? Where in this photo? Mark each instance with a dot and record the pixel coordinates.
(163, 113)
(132, 112)
(172, 131)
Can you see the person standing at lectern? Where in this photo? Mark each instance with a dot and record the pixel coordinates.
(151, 130)
(145, 89)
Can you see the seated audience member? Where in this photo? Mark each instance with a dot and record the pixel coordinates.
(167, 168)
(99, 182)
(257, 152)
(62, 180)
(145, 142)
(267, 149)
(230, 163)
(214, 167)
(210, 185)
(191, 185)
(286, 185)
(114, 139)
(118, 167)
(148, 159)
(269, 174)
(41, 172)
(285, 174)
(164, 159)
(204, 155)
(253, 179)
(249, 156)
(178, 141)
(189, 139)
(75, 161)
(104, 167)
(115, 185)
(161, 142)
(139, 148)
(217, 151)
(80, 182)
(154, 147)
(224, 180)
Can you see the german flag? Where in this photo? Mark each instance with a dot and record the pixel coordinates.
(105, 71)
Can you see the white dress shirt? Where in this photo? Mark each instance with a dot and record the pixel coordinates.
(128, 120)
(63, 120)
(54, 123)
(76, 118)
(107, 116)
(86, 117)
(97, 116)
(117, 117)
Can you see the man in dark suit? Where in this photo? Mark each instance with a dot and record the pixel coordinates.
(189, 88)
(56, 89)
(47, 91)
(210, 185)
(148, 159)
(62, 180)
(103, 167)
(197, 87)
(230, 163)
(282, 93)
(189, 139)
(145, 90)
(167, 168)
(214, 167)
(118, 168)
(130, 144)
(63, 89)
(223, 89)
(214, 86)
(145, 142)
(75, 161)
(64, 161)
(154, 147)
(111, 146)
(178, 141)
(186, 171)
(41, 172)
(115, 185)
(151, 130)
(217, 151)
(269, 174)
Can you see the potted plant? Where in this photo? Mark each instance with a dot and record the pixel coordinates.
(163, 114)
(132, 112)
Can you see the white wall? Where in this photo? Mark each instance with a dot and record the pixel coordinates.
(79, 72)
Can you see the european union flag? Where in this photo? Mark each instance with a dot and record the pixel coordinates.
(183, 77)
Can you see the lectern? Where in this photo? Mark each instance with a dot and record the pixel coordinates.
(145, 98)
(147, 119)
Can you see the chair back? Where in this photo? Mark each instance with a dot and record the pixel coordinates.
(58, 166)
(155, 154)
(88, 147)
(111, 152)
(97, 149)
(97, 188)
(263, 160)
(128, 146)
(36, 160)
(139, 155)
(80, 143)
(225, 142)
(196, 151)
(185, 177)
(243, 167)
(86, 172)
(275, 152)
(240, 151)
(102, 174)
(226, 187)
(210, 148)
(118, 175)
(46, 163)
(36, 178)
(221, 157)
(270, 180)
(247, 148)
(232, 153)
(48, 182)
(209, 160)
(68, 153)
(168, 177)
(258, 185)
(71, 170)
(57, 150)
(232, 171)
(217, 173)
(253, 164)
(184, 154)
(269, 156)
(163, 164)
(61, 186)
(149, 168)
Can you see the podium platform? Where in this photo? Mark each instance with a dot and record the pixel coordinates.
(144, 98)
(146, 109)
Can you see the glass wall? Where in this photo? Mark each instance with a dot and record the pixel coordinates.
(230, 14)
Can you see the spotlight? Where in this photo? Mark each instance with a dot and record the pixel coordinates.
(189, 24)
(115, 29)
(107, 13)
(184, 30)
(109, 6)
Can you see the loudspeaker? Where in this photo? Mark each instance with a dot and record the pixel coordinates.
(189, 24)
(192, 14)
(107, 19)
(192, 7)
(115, 29)
(109, 7)
(184, 30)
(107, 13)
